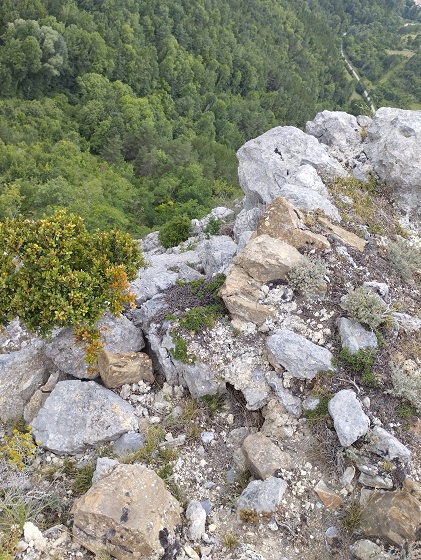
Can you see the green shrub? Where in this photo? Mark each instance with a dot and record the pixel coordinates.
(364, 306)
(199, 318)
(175, 231)
(309, 277)
(213, 227)
(406, 386)
(54, 273)
(405, 260)
(361, 362)
(179, 352)
(83, 478)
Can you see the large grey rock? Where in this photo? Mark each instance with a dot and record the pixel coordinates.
(21, 374)
(265, 258)
(200, 379)
(79, 414)
(338, 130)
(266, 163)
(393, 147)
(129, 514)
(367, 550)
(300, 357)
(14, 337)
(217, 254)
(354, 336)
(309, 200)
(152, 281)
(386, 445)
(246, 220)
(118, 334)
(307, 176)
(262, 495)
(348, 417)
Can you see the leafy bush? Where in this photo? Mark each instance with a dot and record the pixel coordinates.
(309, 277)
(406, 386)
(361, 362)
(364, 306)
(54, 273)
(405, 260)
(213, 227)
(175, 231)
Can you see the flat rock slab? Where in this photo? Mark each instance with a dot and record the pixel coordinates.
(342, 234)
(263, 457)
(262, 495)
(393, 516)
(328, 496)
(127, 514)
(80, 414)
(300, 357)
(348, 417)
(124, 367)
(386, 445)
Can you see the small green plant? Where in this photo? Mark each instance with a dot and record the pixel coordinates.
(351, 517)
(175, 231)
(361, 362)
(180, 352)
(213, 227)
(321, 410)
(200, 318)
(231, 541)
(309, 278)
(364, 306)
(405, 410)
(19, 450)
(214, 403)
(406, 386)
(406, 260)
(83, 478)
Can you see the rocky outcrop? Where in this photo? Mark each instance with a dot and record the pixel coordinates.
(79, 414)
(128, 514)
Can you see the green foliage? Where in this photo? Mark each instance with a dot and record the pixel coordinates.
(231, 541)
(213, 227)
(56, 274)
(200, 318)
(405, 260)
(351, 516)
(361, 362)
(309, 277)
(175, 231)
(214, 403)
(364, 306)
(321, 410)
(83, 479)
(180, 352)
(406, 386)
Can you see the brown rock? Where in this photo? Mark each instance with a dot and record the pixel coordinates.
(264, 457)
(343, 235)
(393, 516)
(240, 293)
(330, 499)
(265, 258)
(413, 487)
(281, 220)
(125, 513)
(128, 367)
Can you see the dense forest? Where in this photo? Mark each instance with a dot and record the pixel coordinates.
(129, 112)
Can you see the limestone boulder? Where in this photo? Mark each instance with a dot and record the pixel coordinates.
(262, 495)
(263, 457)
(129, 514)
(300, 357)
(200, 379)
(308, 200)
(393, 145)
(79, 414)
(246, 220)
(267, 162)
(355, 337)
(281, 220)
(393, 516)
(118, 334)
(217, 254)
(22, 373)
(349, 420)
(124, 367)
(387, 445)
(265, 258)
(241, 293)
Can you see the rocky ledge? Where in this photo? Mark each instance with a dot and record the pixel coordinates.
(263, 400)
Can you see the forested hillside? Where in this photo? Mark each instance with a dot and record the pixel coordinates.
(129, 112)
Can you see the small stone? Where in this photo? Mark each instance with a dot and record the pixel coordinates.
(329, 498)
(207, 437)
(377, 481)
(348, 476)
(196, 516)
